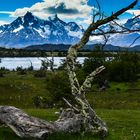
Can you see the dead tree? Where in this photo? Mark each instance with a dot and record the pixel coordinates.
(77, 118)
(46, 63)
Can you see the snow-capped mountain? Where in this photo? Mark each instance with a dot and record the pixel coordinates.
(134, 21)
(30, 30)
(126, 40)
(122, 40)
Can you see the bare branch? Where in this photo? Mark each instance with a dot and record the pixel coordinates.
(98, 13)
(115, 32)
(105, 37)
(87, 83)
(134, 18)
(134, 41)
(94, 26)
(70, 105)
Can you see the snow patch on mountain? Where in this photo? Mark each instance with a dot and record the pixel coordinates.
(75, 34)
(39, 32)
(18, 29)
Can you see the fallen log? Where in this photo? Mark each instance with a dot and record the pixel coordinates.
(26, 126)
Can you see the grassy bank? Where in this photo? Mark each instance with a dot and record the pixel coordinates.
(123, 125)
(19, 90)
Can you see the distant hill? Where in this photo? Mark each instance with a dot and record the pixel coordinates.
(49, 47)
(91, 47)
(136, 48)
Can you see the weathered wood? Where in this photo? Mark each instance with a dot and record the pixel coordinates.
(27, 126)
(23, 124)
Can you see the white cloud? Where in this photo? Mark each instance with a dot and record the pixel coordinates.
(3, 22)
(84, 22)
(133, 12)
(64, 8)
(88, 20)
(20, 12)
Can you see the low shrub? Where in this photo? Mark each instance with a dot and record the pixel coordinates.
(40, 73)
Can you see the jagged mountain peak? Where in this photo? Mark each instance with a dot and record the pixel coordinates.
(28, 14)
(56, 20)
(30, 30)
(55, 17)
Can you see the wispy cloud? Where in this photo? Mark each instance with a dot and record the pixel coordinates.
(133, 12)
(6, 12)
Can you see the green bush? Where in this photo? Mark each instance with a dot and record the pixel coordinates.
(31, 68)
(58, 86)
(125, 67)
(40, 73)
(21, 71)
(1, 73)
(41, 102)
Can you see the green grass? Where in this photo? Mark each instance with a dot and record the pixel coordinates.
(119, 106)
(122, 124)
(118, 96)
(19, 91)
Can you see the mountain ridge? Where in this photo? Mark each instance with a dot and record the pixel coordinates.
(88, 47)
(30, 30)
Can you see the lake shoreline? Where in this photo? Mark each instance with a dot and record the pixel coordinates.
(11, 63)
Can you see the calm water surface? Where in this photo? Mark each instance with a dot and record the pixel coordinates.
(25, 62)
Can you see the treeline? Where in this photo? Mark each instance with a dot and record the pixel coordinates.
(12, 52)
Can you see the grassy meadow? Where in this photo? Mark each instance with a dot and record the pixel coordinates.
(118, 106)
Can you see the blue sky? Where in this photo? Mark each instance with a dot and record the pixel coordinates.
(75, 10)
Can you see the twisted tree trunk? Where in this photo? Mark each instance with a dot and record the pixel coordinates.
(77, 118)
(27, 126)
